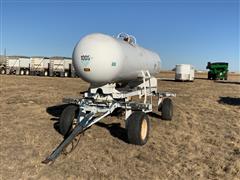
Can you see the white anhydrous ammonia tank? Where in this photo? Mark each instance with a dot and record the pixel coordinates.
(184, 72)
(102, 59)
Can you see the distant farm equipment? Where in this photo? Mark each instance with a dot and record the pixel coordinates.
(37, 66)
(184, 72)
(217, 70)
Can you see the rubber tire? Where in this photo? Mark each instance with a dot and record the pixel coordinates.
(134, 128)
(226, 77)
(3, 71)
(45, 73)
(21, 72)
(167, 109)
(65, 74)
(26, 72)
(209, 76)
(66, 119)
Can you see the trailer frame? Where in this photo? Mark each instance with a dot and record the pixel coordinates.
(100, 102)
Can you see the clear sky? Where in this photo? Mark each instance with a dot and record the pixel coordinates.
(180, 31)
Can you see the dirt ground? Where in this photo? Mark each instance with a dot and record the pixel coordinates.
(201, 142)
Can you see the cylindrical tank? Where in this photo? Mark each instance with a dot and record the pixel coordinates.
(102, 59)
(184, 72)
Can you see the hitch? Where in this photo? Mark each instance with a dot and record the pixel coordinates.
(85, 123)
(77, 130)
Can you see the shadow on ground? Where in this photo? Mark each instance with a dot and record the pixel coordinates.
(177, 81)
(167, 79)
(234, 101)
(56, 111)
(201, 78)
(227, 82)
(155, 115)
(115, 130)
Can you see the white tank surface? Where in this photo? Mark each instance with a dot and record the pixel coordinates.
(102, 59)
(184, 72)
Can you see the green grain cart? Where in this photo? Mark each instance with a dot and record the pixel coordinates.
(217, 70)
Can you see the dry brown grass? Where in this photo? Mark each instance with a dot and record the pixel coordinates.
(201, 142)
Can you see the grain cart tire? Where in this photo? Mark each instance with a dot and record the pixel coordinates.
(226, 77)
(209, 75)
(67, 118)
(26, 72)
(138, 127)
(167, 109)
(21, 72)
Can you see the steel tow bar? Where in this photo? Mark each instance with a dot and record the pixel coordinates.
(77, 130)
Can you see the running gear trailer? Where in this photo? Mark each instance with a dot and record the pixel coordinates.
(97, 103)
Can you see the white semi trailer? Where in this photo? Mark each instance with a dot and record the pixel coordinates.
(12, 65)
(117, 69)
(61, 66)
(68, 67)
(3, 64)
(24, 64)
(39, 66)
(57, 66)
(19, 65)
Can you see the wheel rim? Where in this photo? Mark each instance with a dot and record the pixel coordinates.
(144, 128)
